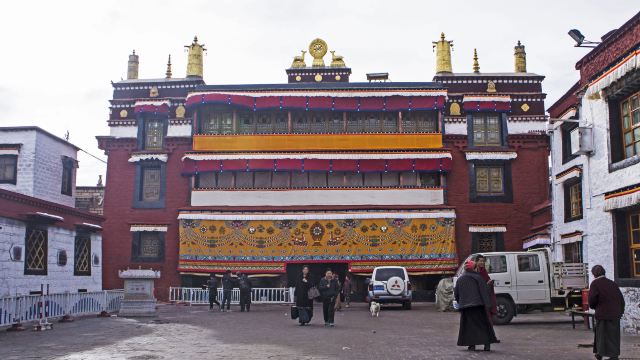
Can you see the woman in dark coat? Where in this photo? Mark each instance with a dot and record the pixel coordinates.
(607, 300)
(472, 294)
(303, 303)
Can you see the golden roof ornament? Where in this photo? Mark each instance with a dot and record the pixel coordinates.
(168, 73)
(520, 57)
(476, 65)
(298, 61)
(443, 54)
(491, 87)
(180, 111)
(318, 49)
(337, 60)
(195, 61)
(454, 109)
(153, 92)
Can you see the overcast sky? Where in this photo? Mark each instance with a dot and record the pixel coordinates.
(59, 57)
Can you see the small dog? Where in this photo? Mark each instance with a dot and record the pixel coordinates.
(375, 309)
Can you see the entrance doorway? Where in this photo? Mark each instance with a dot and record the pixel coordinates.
(316, 270)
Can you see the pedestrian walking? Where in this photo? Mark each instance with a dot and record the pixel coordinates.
(227, 288)
(245, 292)
(482, 270)
(336, 277)
(301, 293)
(212, 285)
(347, 289)
(472, 294)
(328, 291)
(607, 301)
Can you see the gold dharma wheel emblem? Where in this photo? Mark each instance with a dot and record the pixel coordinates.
(298, 78)
(525, 107)
(318, 77)
(318, 49)
(338, 78)
(123, 113)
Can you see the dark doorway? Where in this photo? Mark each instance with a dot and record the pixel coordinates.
(316, 270)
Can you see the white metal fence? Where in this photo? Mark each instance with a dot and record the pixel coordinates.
(18, 309)
(194, 296)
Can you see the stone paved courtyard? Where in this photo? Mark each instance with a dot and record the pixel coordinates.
(183, 332)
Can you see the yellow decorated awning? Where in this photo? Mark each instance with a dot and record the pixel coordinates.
(423, 242)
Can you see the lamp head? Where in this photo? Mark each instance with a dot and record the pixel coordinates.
(577, 36)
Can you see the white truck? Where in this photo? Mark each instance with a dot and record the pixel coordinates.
(528, 280)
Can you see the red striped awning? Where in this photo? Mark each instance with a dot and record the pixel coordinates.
(486, 106)
(153, 109)
(320, 103)
(268, 102)
(369, 103)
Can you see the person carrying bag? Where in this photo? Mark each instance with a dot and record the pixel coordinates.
(303, 310)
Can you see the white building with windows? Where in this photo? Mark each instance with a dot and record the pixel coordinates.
(44, 240)
(596, 165)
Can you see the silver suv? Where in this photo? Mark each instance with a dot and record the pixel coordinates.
(390, 285)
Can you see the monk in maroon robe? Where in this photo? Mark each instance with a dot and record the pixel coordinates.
(482, 270)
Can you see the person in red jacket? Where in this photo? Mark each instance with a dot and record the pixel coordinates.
(607, 301)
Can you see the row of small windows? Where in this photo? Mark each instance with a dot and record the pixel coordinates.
(37, 251)
(304, 180)
(485, 129)
(490, 182)
(214, 121)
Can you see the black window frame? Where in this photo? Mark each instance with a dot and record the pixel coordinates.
(138, 203)
(566, 186)
(81, 236)
(616, 93)
(504, 135)
(14, 180)
(36, 227)
(621, 248)
(579, 252)
(505, 197)
(66, 186)
(135, 247)
(142, 136)
(475, 240)
(565, 131)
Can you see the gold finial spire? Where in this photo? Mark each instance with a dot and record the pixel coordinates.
(443, 54)
(476, 65)
(168, 73)
(132, 68)
(520, 58)
(195, 62)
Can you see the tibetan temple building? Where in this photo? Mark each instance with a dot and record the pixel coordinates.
(263, 178)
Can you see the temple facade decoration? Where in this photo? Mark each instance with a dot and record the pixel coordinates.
(263, 178)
